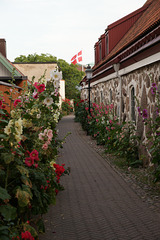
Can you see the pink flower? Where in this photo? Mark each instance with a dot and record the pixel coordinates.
(48, 142)
(108, 138)
(86, 108)
(110, 121)
(50, 134)
(16, 102)
(112, 128)
(36, 165)
(41, 136)
(97, 120)
(45, 146)
(111, 106)
(29, 161)
(45, 131)
(144, 113)
(35, 95)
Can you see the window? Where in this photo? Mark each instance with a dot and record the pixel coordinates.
(133, 116)
(107, 44)
(100, 51)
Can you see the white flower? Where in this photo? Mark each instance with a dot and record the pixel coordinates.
(55, 75)
(18, 138)
(10, 124)
(56, 84)
(18, 123)
(48, 101)
(13, 114)
(19, 130)
(27, 123)
(38, 115)
(7, 130)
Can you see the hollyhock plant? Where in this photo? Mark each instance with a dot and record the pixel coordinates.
(35, 95)
(34, 155)
(55, 75)
(29, 161)
(27, 236)
(28, 145)
(48, 101)
(40, 87)
(50, 134)
(16, 102)
(45, 146)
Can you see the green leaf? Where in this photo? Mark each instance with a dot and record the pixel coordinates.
(30, 229)
(2, 112)
(4, 233)
(3, 136)
(7, 92)
(4, 194)
(8, 212)
(23, 196)
(4, 237)
(23, 170)
(40, 225)
(3, 228)
(7, 157)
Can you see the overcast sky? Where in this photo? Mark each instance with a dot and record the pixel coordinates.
(59, 27)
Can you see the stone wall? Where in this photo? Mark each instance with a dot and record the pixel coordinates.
(141, 80)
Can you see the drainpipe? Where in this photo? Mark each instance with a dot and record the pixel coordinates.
(116, 69)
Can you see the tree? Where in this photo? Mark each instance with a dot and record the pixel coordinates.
(71, 74)
(72, 77)
(36, 58)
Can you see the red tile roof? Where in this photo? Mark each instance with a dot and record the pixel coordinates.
(149, 18)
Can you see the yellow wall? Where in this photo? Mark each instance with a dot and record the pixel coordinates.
(36, 69)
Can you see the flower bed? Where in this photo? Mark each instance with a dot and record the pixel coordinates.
(103, 125)
(122, 139)
(30, 176)
(67, 108)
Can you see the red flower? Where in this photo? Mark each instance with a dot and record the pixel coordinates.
(39, 87)
(59, 171)
(27, 235)
(15, 238)
(29, 161)
(1, 103)
(16, 102)
(36, 165)
(34, 155)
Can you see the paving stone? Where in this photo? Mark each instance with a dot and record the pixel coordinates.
(97, 204)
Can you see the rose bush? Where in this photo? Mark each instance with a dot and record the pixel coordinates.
(30, 176)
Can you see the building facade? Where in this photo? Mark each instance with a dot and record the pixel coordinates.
(7, 70)
(127, 62)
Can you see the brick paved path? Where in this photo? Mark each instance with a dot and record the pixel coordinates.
(97, 204)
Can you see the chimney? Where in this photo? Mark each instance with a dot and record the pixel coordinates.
(3, 46)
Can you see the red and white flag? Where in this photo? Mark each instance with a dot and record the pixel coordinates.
(77, 58)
